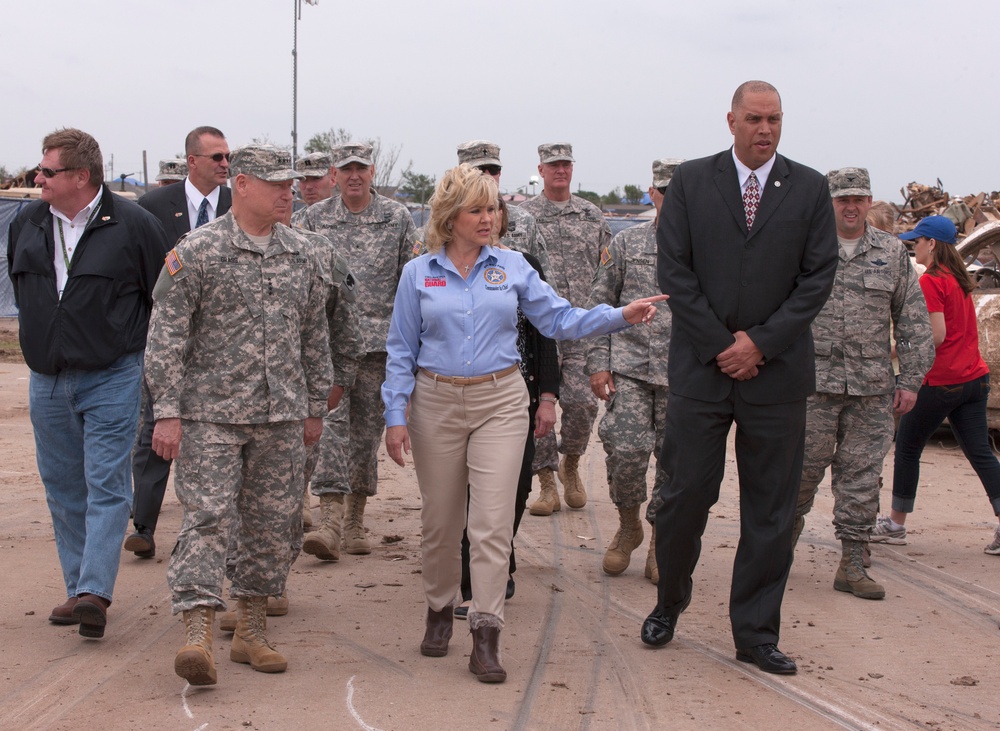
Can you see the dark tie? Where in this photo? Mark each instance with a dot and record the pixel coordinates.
(751, 199)
(202, 213)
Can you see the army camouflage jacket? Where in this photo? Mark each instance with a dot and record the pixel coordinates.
(376, 244)
(875, 287)
(346, 342)
(627, 272)
(575, 236)
(239, 335)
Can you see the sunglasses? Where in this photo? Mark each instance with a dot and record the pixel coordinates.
(490, 169)
(217, 157)
(662, 190)
(50, 173)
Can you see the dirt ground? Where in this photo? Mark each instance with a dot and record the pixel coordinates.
(928, 656)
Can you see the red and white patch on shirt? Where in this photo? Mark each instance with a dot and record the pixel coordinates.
(434, 281)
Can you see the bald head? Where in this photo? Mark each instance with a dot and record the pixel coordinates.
(752, 87)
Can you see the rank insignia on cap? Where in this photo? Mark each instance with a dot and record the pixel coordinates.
(605, 257)
(173, 263)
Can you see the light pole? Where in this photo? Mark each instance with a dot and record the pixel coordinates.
(297, 7)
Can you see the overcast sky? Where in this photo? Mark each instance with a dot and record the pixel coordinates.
(907, 89)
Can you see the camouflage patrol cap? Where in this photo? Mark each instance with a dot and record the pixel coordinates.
(266, 162)
(173, 169)
(555, 151)
(663, 170)
(314, 165)
(479, 152)
(353, 152)
(849, 181)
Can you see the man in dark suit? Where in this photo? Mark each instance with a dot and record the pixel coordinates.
(202, 197)
(747, 251)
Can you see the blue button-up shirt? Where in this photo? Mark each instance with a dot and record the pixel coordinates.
(468, 327)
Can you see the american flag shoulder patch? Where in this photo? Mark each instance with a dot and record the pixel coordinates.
(605, 257)
(173, 263)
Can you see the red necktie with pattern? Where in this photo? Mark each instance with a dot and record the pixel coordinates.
(751, 199)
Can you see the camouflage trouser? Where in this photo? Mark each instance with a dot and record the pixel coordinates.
(256, 469)
(630, 430)
(851, 433)
(579, 409)
(348, 449)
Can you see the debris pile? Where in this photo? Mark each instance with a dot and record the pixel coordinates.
(932, 200)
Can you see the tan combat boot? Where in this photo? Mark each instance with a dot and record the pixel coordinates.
(355, 542)
(307, 516)
(325, 542)
(573, 491)
(194, 662)
(851, 575)
(627, 539)
(277, 606)
(227, 621)
(548, 502)
(250, 644)
(652, 572)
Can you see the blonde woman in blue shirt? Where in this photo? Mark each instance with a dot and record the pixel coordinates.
(453, 392)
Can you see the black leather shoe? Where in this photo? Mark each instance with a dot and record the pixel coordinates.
(768, 658)
(141, 543)
(510, 588)
(658, 629)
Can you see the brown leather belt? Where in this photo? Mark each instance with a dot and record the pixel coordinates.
(456, 381)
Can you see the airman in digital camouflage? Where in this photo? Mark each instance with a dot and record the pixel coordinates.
(575, 235)
(628, 370)
(849, 419)
(239, 369)
(377, 237)
(173, 170)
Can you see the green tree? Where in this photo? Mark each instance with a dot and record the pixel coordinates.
(612, 197)
(591, 196)
(417, 186)
(383, 157)
(633, 194)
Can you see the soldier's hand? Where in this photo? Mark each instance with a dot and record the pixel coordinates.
(397, 441)
(603, 385)
(903, 401)
(333, 399)
(642, 310)
(313, 430)
(167, 438)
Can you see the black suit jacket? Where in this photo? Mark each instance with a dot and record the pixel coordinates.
(169, 205)
(770, 281)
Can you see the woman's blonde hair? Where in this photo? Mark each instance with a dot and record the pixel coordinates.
(459, 188)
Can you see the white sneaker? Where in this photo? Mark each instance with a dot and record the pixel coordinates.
(994, 548)
(885, 533)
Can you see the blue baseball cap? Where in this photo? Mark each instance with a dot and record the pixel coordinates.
(938, 228)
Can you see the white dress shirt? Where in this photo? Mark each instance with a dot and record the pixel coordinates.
(66, 233)
(194, 199)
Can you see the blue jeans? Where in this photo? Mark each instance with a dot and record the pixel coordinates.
(964, 404)
(85, 424)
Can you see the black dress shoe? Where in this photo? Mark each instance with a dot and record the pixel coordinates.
(510, 588)
(141, 543)
(768, 658)
(658, 629)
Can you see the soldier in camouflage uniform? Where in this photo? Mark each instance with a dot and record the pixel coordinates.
(849, 419)
(317, 183)
(238, 363)
(172, 171)
(575, 235)
(628, 370)
(377, 237)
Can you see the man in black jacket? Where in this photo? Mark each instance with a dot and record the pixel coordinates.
(201, 198)
(83, 263)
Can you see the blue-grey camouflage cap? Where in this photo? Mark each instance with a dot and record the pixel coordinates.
(555, 151)
(849, 181)
(266, 162)
(173, 169)
(479, 152)
(314, 165)
(663, 170)
(352, 152)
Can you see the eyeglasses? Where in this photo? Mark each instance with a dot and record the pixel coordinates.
(50, 173)
(490, 169)
(662, 190)
(217, 157)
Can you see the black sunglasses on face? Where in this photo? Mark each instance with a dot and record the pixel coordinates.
(663, 190)
(217, 157)
(490, 169)
(50, 173)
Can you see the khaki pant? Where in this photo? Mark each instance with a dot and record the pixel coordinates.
(467, 435)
